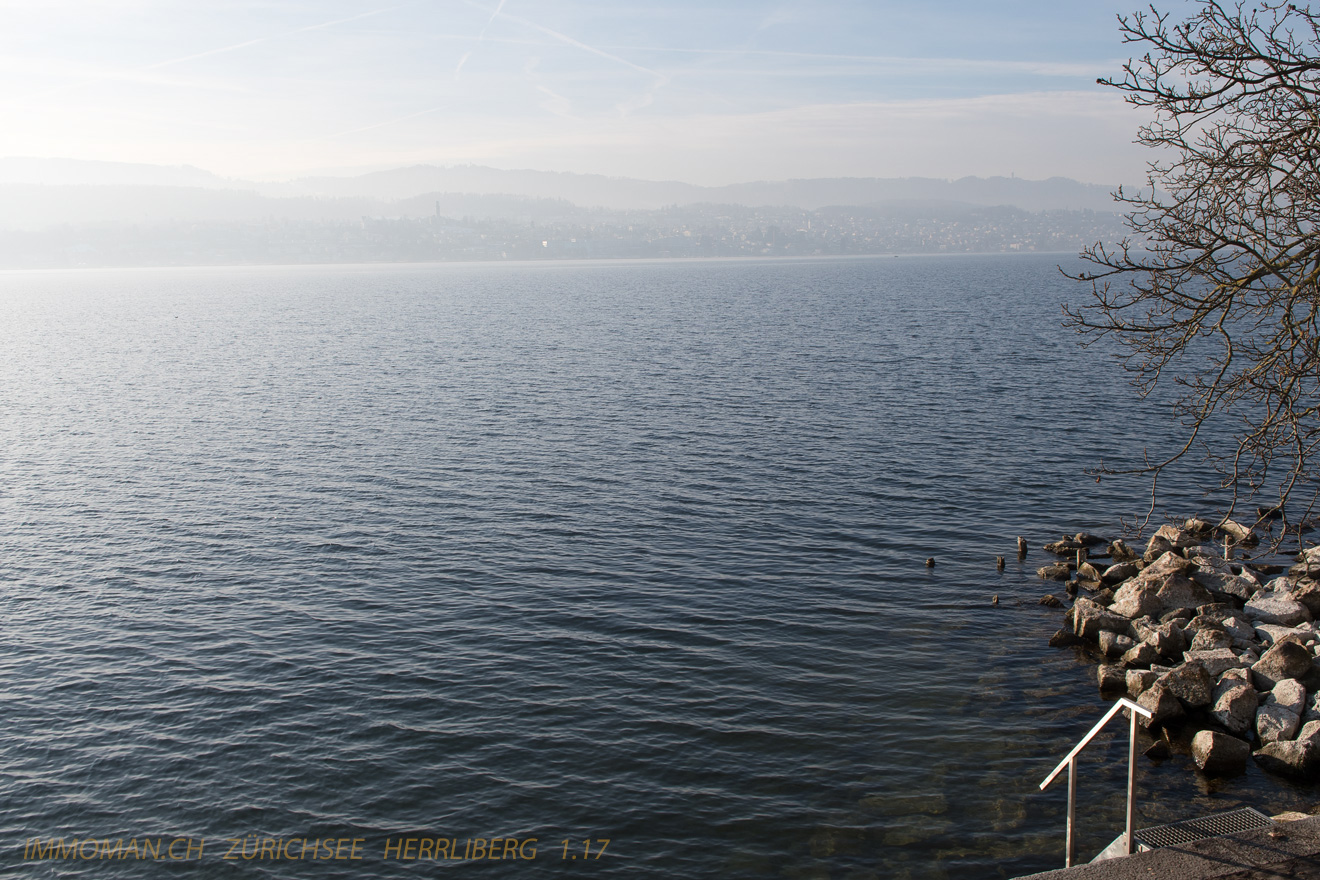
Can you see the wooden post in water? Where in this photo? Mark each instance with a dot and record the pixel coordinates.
(1022, 548)
(999, 563)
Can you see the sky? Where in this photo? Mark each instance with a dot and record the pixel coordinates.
(714, 92)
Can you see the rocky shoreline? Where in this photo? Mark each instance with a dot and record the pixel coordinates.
(1224, 652)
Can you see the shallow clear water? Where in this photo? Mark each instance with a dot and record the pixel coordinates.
(624, 551)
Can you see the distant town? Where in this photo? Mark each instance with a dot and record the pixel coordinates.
(678, 232)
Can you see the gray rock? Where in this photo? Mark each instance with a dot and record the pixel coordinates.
(1140, 654)
(1290, 694)
(1299, 759)
(1283, 584)
(1219, 754)
(1285, 660)
(1238, 533)
(1065, 638)
(1215, 660)
(1156, 547)
(1167, 639)
(1278, 608)
(1235, 708)
(1088, 572)
(1167, 563)
(1136, 599)
(1312, 710)
(1111, 678)
(1055, 571)
(1190, 683)
(1114, 644)
(1208, 639)
(1178, 591)
(1140, 680)
(1308, 593)
(1091, 618)
(1177, 538)
(1238, 627)
(1120, 551)
(1119, 572)
(1217, 576)
(1239, 675)
(1275, 723)
(1162, 705)
(1269, 633)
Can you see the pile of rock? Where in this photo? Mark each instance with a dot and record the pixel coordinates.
(1220, 648)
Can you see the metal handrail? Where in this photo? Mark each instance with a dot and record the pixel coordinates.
(1070, 761)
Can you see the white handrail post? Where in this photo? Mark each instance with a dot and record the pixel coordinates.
(1070, 761)
(1132, 780)
(1071, 855)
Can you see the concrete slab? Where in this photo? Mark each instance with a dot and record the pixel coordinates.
(1291, 849)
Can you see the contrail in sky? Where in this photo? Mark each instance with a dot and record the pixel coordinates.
(310, 27)
(565, 38)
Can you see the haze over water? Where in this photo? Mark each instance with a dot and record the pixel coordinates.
(625, 551)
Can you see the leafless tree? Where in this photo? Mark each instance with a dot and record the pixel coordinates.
(1216, 292)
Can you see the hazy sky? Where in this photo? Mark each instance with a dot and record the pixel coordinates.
(707, 92)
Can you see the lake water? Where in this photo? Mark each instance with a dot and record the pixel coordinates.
(574, 552)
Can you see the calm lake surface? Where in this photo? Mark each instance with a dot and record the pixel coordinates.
(619, 551)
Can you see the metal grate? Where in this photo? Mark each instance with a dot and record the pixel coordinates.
(1189, 830)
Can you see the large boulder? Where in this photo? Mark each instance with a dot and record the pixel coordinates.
(1166, 638)
(1140, 655)
(1140, 680)
(1219, 754)
(1180, 591)
(1178, 538)
(1299, 758)
(1119, 572)
(1165, 564)
(1091, 618)
(1055, 571)
(1308, 593)
(1215, 660)
(1235, 708)
(1239, 628)
(1114, 644)
(1238, 533)
(1217, 576)
(1277, 608)
(1209, 638)
(1136, 599)
(1111, 677)
(1162, 705)
(1290, 694)
(1119, 551)
(1190, 683)
(1286, 659)
(1269, 633)
(1275, 723)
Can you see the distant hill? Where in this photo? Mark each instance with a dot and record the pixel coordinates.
(618, 193)
(40, 193)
